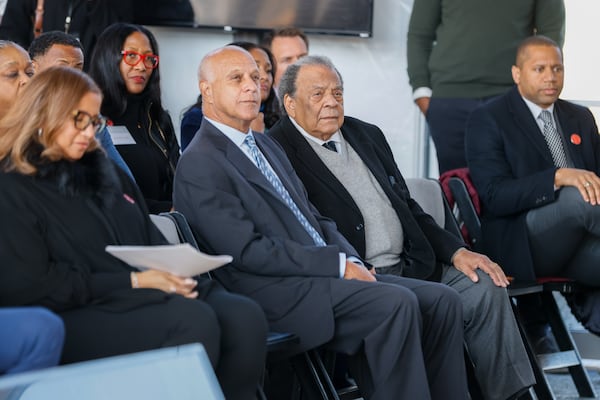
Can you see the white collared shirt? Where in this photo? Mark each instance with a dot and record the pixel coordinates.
(537, 110)
(335, 138)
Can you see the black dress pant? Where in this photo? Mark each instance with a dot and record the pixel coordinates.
(404, 337)
(231, 327)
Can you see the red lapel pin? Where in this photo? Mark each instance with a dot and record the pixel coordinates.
(575, 138)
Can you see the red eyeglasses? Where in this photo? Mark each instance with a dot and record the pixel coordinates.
(133, 58)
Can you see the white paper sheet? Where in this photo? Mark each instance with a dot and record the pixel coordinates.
(179, 259)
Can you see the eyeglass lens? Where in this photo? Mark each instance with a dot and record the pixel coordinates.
(133, 58)
(82, 120)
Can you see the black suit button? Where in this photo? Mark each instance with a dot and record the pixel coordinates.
(359, 227)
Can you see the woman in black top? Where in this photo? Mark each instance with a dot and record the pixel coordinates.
(125, 64)
(62, 202)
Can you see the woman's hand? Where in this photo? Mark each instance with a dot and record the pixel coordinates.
(169, 283)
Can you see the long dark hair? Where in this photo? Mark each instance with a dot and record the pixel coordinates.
(104, 69)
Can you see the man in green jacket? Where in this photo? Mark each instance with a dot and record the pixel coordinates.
(460, 53)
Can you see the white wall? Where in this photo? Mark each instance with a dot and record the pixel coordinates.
(374, 72)
(581, 55)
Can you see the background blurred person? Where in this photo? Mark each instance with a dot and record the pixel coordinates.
(84, 19)
(125, 64)
(287, 45)
(56, 48)
(16, 70)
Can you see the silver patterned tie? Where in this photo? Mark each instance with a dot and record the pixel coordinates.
(553, 140)
(274, 180)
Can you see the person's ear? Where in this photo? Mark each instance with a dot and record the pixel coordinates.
(206, 91)
(516, 74)
(35, 65)
(290, 105)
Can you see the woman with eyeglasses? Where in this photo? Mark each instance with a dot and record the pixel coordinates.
(61, 203)
(125, 64)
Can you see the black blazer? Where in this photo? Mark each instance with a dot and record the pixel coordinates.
(512, 169)
(425, 242)
(234, 210)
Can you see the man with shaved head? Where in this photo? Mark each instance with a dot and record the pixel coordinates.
(240, 193)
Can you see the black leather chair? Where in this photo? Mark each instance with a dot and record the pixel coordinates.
(568, 356)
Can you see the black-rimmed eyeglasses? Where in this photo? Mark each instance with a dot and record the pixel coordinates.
(83, 119)
(133, 58)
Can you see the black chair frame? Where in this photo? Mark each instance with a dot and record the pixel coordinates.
(568, 356)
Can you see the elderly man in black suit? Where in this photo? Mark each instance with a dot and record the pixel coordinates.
(350, 175)
(535, 160)
(242, 197)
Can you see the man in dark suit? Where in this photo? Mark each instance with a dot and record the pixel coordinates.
(350, 175)
(540, 196)
(242, 198)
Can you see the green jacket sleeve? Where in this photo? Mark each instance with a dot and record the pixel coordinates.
(424, 20)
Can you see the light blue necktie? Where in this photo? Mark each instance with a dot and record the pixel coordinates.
(273, 179)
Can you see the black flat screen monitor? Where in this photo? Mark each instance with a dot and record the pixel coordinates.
(341, 17)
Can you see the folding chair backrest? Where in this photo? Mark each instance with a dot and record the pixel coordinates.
(167, 227)
(428, 193)
(467, 211)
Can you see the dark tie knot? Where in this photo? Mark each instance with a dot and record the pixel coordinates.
(330, 145)
(546, 117)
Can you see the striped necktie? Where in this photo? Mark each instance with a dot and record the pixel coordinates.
(273, 179)
(553, 140)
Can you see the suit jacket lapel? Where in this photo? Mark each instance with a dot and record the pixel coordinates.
(416, 246)
(269, 149)
(526, 123)
(238, 159)
(365, 150)
(570, 126)
(314, 166)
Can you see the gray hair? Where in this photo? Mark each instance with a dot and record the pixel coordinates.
(8, 43)
(287, 84)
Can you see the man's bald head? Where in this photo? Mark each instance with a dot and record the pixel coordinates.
(229, 83)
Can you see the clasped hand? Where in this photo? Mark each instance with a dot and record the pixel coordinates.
(167, 282)
(358, 272)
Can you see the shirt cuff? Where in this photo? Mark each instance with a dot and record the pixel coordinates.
(342, 264)
(422, 92)
(343, 259)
